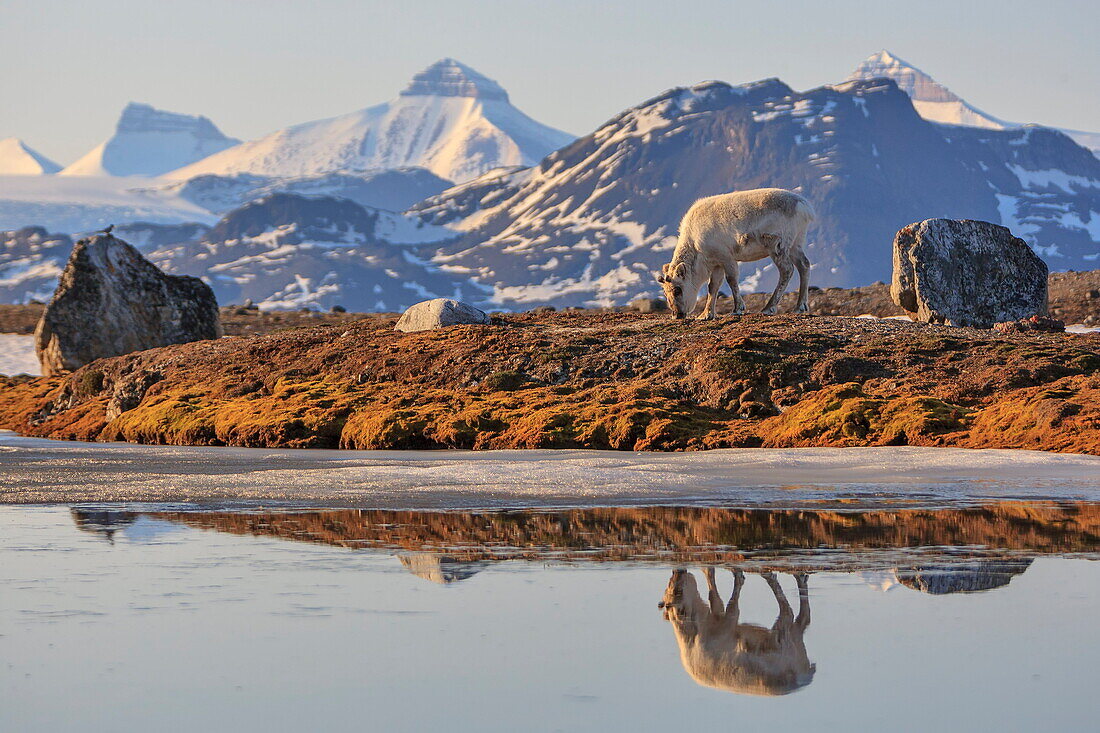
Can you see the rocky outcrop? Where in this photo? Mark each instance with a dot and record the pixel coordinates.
(1041, 324)
(967, 577)
(439, 313)
(112, 301)
(966, 273)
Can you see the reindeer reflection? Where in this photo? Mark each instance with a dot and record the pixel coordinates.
(718, 651)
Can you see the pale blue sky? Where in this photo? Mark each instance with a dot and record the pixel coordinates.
(253, 66)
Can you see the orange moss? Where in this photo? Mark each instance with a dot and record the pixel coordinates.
(618, 417)
(1063, 416)
(613, 381)
(844, 415)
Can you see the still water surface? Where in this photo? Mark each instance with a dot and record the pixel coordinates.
(146, 619)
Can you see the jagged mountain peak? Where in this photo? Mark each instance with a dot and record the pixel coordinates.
(19, 159)
(937, 103)
(451, 120)
(933, 100)
(592, 221)
(451, 78)
(914, 82)
(150, 142)
(140, 117)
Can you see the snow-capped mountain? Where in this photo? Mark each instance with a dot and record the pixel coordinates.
(151, 142)
(593, 220)
(74, 204)
(280, 251)
(450, 119)
(31, 260)
(19, 159)
(590, 222)
(932, 100)
(289, 251)
(393, 190)
(937, 103)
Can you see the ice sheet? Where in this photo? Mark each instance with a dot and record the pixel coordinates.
(45, 471)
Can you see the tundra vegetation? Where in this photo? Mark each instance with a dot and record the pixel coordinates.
(582, 379)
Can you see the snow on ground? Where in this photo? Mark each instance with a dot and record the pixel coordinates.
(1082, 328)
(17, 354)
(46, 471)
(873, 317)
(85, 203)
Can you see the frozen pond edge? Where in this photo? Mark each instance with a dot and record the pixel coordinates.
(40, 471)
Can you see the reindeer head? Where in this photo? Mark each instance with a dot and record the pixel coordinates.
(678, 292)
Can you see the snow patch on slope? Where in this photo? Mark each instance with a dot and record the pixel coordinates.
(17, 355)
(84, 203)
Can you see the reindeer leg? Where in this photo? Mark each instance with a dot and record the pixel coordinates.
(714, 596)
(733, 608)
(785, 272)
(785, 612)
(710, 312)
(803, 619)
(733, 279)
(802, 262)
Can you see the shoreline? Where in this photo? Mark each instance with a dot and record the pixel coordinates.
(39, 471)
(613, 381)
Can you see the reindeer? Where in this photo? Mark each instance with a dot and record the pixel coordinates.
(720, 652)
(719, 231)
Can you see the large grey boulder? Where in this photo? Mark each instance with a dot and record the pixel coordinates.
(966, 273)
(439, 313)
(110, 301)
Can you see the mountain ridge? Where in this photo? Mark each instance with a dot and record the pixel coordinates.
(151, 142)
(937, 103)
(450, 119)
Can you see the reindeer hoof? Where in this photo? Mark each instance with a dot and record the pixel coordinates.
(704, 317)
(769, 311)
(802, 308)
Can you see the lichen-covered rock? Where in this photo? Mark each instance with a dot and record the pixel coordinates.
(1041, 324)
(966, 273)
(648, 305)
(128, 392)
(439, 313)
(111, 301)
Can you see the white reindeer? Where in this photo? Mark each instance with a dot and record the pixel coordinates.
(719, 651)
(719, 231)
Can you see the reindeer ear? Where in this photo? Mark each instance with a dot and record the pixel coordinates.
(679, 272)
(664, 269)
